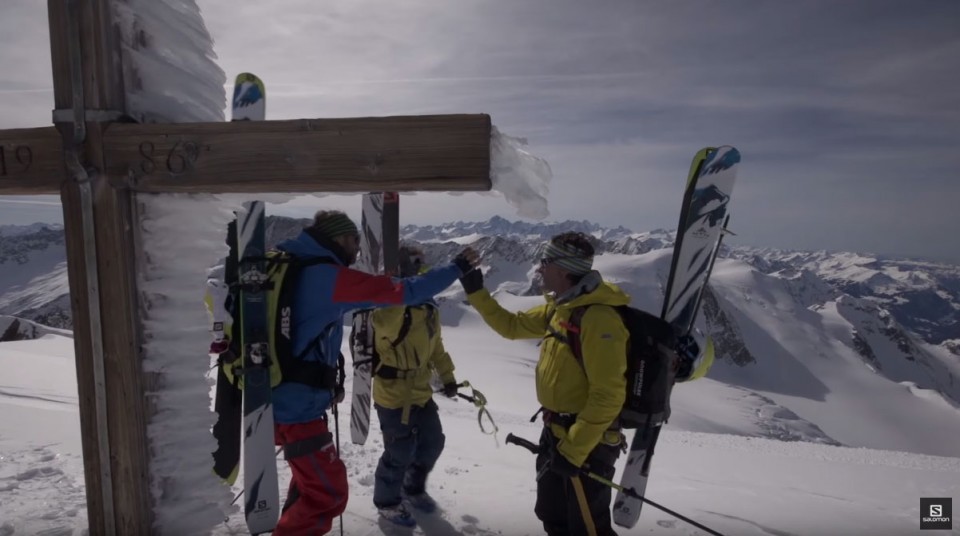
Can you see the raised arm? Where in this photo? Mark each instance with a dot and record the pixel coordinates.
(530, 324)
(356, 289)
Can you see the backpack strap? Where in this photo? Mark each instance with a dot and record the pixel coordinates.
(404, 327)
(571, 332)
(294, 368)
(572, 327)
(388, 372)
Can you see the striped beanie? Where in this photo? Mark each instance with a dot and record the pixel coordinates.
(568, 257)
(333, 224)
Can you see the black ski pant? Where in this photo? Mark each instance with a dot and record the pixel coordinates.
(557, 504)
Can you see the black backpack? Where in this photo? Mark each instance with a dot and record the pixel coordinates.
(651, 364)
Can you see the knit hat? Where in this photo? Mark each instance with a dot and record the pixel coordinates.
(568, 257)
(335, 224)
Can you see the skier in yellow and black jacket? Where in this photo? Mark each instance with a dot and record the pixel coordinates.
(580, 402)
(410, 351)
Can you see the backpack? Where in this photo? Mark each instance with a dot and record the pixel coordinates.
(651, 364)
(283, 274)
(379, 369)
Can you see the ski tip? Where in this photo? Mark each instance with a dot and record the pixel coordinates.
(722, 159)
(703, 153)
(697, 164)
(249, 97)
(727, 154)
(248, 78)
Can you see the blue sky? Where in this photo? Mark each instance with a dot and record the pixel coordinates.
(847, 113)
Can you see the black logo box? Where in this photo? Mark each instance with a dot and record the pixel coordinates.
(936, 513)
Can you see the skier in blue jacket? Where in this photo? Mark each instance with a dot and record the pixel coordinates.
(325, 293)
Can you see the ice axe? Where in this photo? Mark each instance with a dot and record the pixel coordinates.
(480, 401)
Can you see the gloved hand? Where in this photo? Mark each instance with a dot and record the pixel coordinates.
(466, 260)
(561, 465)
(338, 395)
(472, 281)
(450, 389)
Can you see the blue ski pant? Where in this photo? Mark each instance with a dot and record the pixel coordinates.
(409, 452)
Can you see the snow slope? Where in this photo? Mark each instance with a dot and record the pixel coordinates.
(722, 460)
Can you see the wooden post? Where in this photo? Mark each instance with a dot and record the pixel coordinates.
(86, 72)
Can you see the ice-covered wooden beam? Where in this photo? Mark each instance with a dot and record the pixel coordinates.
(407, 153)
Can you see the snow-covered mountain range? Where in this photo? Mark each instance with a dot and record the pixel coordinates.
(899, 318)
(821, 384)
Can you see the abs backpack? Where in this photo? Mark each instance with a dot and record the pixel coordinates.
(283, 274)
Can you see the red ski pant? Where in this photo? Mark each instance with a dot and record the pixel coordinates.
(318, 483)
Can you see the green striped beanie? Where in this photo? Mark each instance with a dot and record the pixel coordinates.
(568, 257)
(335, 224)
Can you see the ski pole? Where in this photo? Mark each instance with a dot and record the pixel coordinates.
(336, 433)
(535, 449)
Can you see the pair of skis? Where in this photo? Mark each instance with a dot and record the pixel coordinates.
(703, 221)
(379, 253)
(254, 406)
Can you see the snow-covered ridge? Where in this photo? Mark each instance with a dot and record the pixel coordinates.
(897, 317)
(18, 329)
(924, 297)
(16, 230)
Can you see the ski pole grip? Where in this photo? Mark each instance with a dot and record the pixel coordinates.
(521, 442)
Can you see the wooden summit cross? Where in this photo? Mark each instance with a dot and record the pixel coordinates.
(98, 166)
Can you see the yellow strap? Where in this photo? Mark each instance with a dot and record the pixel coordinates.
(584, 507)
(408, 394)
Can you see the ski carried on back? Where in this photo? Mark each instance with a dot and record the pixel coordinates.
(379, 251)
(260, 486)
(248, 104)
(703, 220)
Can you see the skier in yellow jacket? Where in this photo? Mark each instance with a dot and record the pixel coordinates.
(410, 351)
(580, 403)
